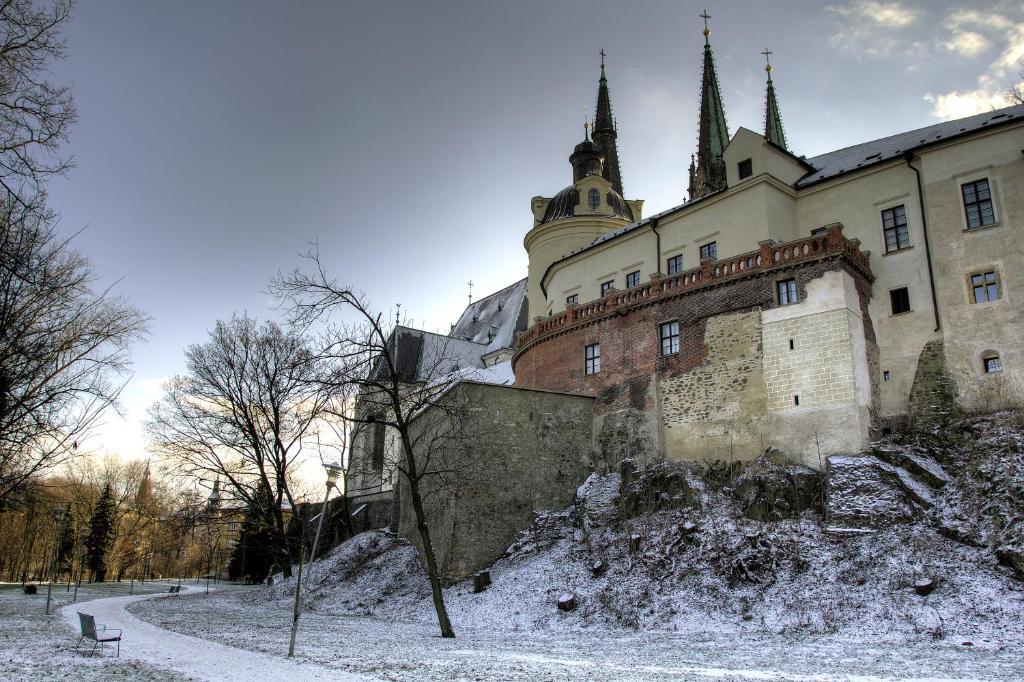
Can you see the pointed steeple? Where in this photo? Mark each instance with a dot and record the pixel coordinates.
(772, 118)
(604, 133)
(707, 174)
(144, 493)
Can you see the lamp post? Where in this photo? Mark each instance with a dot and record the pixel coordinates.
(58, 516)
(334, 470)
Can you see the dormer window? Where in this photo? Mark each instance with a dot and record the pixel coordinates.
(593, 199)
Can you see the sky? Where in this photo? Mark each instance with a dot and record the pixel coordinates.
(218, 140)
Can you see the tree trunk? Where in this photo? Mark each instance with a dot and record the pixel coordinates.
(428, 546)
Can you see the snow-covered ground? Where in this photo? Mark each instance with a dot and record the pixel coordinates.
(413, 651)
(34, 646)
(690, 589)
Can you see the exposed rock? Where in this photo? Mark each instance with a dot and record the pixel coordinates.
(769, 490)
(598, 568)
(920, 465)
(1012, 557)
(666, 485)
(597, 500)
(481, 580)
(863, 492)
(567, 602)
(924, 586)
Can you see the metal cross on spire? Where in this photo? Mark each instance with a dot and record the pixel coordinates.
(586, 123)
(767, 60)
(602, 57)
(707, 32)
(470, 283)
(398, 309)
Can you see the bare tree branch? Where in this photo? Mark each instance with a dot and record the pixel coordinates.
(251, 400)
(64, 347)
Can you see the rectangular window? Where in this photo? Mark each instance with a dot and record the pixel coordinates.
(709, 250)
(993, 365)
(900, 300)
(669, 334)
(978, 204)
(984, 287)
(633, 279)
(675, 265)
(607, 286)
(894, 226)
(886, 375)
(787, 291)
(377, 453)
(819, 232)
(745, 168)
(572, 300)
(592, 359)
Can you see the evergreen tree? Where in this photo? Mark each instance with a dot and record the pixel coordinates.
(253, 554)
(65, 543)
(101, 535)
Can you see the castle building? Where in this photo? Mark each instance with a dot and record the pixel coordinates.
(789, 302)
(803, 304)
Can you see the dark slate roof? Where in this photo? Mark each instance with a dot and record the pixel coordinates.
(494, 320)
(423, 356)
(859, 156)
(563, 205)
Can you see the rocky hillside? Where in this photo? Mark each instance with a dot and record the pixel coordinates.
(918, 538)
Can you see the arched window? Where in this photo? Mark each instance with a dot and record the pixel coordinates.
(594, 199)
(991, 363)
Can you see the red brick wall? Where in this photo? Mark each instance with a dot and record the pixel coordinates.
(629, 335)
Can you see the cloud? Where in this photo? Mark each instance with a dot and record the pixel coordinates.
(963, 18)
(871, 28)
(991, 85)
(967, 43)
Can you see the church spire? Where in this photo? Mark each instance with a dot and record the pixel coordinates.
(772, 118)
(707, 173)
(604, 133)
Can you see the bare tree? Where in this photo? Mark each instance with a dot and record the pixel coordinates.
(1015, 90)
(64, 347)
(250, 402)
(414, 403)
(35, 114)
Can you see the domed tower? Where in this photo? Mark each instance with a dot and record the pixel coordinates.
(576, 216)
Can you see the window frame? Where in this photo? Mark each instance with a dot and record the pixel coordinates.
(378, 444)
(635, 276)
(594, 199)
(892, 301)
(791, 291)
(606, 287)
(592, 359)
(895, 229)
(745, 168)
(985, 285)
(678, 260)
(709, 250)
(992, 357)
(572, 299)
(978, 204)
(672, 337)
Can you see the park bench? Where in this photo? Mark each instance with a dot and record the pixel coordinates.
(175, 589)
(99, 637)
